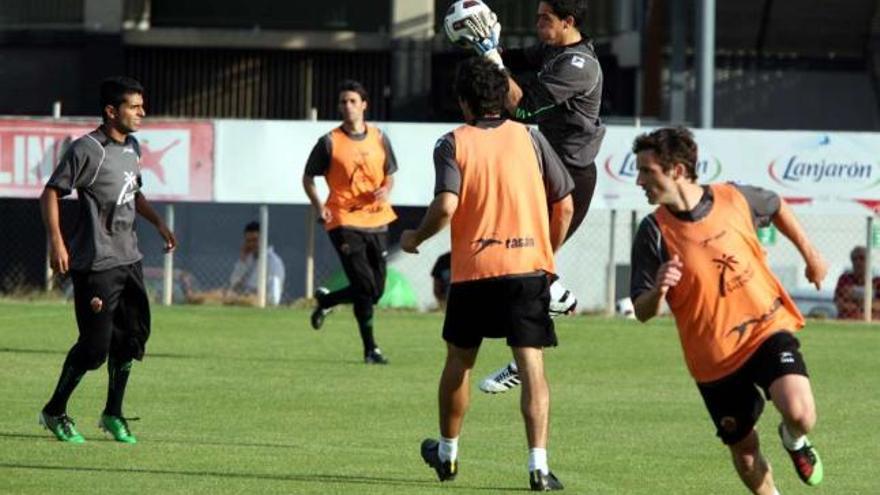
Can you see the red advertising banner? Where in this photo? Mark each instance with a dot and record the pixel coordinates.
(177, 158)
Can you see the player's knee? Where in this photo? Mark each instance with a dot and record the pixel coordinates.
(92, 359)
(460, 359)
(363, 307)
(745, 452)
(746, 460)
(802, 417)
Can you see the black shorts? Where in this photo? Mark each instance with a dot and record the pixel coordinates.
(515, 308)
(734, 401)
(362, 255)
(584, 186)
(112, 311)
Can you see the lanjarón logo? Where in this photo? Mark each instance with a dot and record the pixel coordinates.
(825, 164)
(625, 170)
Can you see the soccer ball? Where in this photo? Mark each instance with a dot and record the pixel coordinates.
(462, 13)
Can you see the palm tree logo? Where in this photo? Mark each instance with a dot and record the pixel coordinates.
(724, 263)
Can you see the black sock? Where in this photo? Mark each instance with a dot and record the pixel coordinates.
(67, 382)
(363, 312)
(118, 372)
(335, 298)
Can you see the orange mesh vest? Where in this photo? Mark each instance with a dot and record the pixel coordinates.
(501, 225)
(728, 301)
(357, 168)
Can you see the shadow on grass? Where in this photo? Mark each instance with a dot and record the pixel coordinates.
(308, 478)
(10, 350)
(168, 355)
(48, 437)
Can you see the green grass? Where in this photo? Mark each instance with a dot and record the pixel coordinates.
(237, 400)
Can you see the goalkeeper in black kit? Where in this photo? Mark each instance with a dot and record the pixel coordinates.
(564, 99)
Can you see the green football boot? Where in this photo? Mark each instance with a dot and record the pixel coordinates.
(118, 427)
(63, 427)
(807, 462)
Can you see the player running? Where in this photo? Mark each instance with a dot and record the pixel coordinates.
(358, 163)
(699, 251)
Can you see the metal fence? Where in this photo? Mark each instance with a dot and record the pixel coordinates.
(594, 264)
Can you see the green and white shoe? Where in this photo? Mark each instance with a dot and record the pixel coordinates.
(117, 426)
(63, 427)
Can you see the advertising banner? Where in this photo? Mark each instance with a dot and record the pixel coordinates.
(827, 173)
(177, 158)
(238, 161)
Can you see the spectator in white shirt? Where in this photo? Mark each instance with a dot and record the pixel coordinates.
(242, 288)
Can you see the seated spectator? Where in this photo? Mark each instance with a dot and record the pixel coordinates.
(242, 288)
(850, 291)
(442, 273)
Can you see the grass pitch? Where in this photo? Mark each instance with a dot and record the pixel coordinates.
(236, 400)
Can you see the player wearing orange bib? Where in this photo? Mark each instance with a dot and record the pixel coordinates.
(699, 251)
(357, 162)
(508, 199)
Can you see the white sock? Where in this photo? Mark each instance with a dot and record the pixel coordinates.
(790, 442)
(513, 367)
(448, 450)
(776, 492)
(538, 460)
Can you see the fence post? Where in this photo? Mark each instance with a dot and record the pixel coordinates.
(611, 282)
(56, 114)
(168, 274)
(633, 226)
(869, 272)
(310, 251)
(262, 258)
(310, 235)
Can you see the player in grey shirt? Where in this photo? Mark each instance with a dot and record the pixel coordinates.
(565, 96)
(111, 303)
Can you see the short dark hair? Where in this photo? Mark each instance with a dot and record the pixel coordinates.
(252, 227)
(858, 250)
(114, 90)
(671, 145)
(482, 85)
(355, 86)
(574, 8)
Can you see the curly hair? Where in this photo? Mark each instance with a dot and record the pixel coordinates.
(482, 85)
(670, 145)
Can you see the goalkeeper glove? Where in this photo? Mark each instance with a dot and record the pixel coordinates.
(485, 36)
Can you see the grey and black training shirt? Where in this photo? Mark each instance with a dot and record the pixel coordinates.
(106, 175)
(649, 250)
(565, 98)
